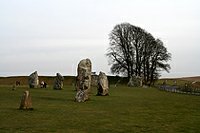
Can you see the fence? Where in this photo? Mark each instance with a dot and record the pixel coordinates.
(180, 89)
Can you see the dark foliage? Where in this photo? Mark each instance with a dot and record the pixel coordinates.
(133, 51)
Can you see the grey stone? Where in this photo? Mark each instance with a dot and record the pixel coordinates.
(135, 81)
(26, 102)
(81, 96)
(103, 86)
(83, 80)
(94, 79)
(58, 82)
(33, 80)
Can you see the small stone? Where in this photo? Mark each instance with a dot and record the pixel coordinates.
(103, 86)
(94, 79)
(26, 102)
(81, 96)
(14, 87)
(58, 83)
(135, 81)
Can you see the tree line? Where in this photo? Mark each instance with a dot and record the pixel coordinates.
(134, 52)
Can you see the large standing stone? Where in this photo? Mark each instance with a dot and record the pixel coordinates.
(135, 81)
(33, 80)
(26, 102)
(103, 86)
(83, 80)
(58, 83)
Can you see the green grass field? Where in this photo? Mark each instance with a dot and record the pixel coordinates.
(125, 110)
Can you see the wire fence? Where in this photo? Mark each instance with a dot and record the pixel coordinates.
(187, 89)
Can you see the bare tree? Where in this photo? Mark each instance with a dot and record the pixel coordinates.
(158, 60)
(121, 50)
(133, 51)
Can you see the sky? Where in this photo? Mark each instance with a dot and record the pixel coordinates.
(51, 36)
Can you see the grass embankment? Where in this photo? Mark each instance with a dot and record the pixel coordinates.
(68, 80)
(125, 110)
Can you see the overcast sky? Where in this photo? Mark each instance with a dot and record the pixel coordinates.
(52, 36)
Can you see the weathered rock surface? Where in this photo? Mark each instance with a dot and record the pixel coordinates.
(33, 80)
(83, 80)
(58, 82)
(135, 81)
(94, 79)
(103, 87)
(81, 96)
(26, 102)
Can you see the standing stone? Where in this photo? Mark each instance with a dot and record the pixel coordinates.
(26, 102)
(94, 79)
(58, 83)
(135, 81)
(33, 80)
(103, 86)
(14, 87)
(80, 96)
(83, 80)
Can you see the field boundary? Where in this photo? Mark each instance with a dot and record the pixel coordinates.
(180, 90)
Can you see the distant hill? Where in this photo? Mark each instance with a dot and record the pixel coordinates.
(191, 79)
(194, 81)
(197, 78)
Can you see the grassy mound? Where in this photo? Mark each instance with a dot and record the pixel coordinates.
(69, 80)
